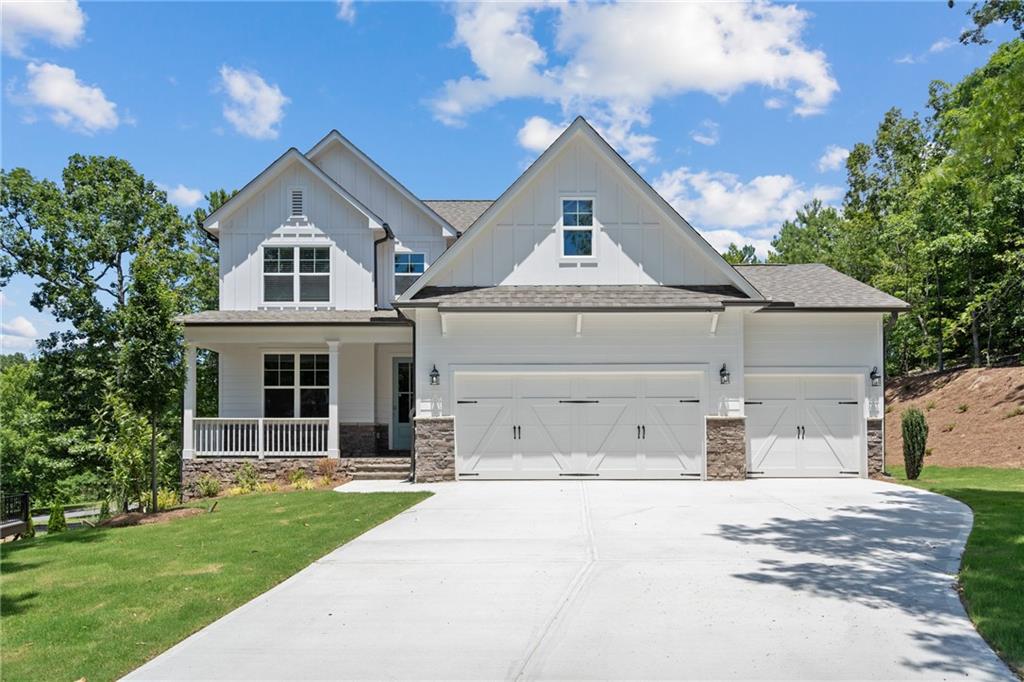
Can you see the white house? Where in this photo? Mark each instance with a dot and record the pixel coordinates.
(576, 327)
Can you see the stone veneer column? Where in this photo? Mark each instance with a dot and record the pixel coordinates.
(433, 449)
(726, 448)
(876, 449)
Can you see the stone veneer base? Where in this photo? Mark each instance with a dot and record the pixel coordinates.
(433, 449)
(726, 448)
(876, 449)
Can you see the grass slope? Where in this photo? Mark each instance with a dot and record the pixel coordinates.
(992, 573)
(99, 603)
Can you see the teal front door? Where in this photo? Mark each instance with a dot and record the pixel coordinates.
(401, 404)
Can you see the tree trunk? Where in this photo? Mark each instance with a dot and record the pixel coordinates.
(152, 461)
(938, 312)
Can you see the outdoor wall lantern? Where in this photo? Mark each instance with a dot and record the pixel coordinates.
(876, 378)
(723, 374)
(435, 377)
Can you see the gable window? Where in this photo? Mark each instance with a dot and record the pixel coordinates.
(295, 384)
(296, 200)
(408, 266)
(284, 283)
(577, 227)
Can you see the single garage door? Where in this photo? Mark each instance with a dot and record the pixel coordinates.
(803, 426)
(548, 424)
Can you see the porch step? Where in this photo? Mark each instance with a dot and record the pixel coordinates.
(380, 475)
(382, 468)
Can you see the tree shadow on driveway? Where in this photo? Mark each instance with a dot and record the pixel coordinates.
(901, 552)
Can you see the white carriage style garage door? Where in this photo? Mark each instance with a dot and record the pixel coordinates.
(804, 425)
(547, 424)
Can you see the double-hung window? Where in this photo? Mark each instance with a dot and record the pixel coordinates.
(408, 266)
(577, 228)
(295, 384)
(310, 282)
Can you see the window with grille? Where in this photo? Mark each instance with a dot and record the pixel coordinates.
(577, 227)
(310, 282)
(295, 384)
(408, 266)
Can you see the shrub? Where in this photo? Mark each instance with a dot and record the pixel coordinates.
(246, 477)
(949, 427)
(930, 406)
(327, 468)
(304, 484)
(30, 529)
(208, 486)
(961, 408)
(104, 510)
(57, 522)
(267, 487)
(915, 437)
(325, 481)
(1015, 412)
(297, 476)
(166, 499)
(236, 490)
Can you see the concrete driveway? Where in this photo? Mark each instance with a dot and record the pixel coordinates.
(829, 579)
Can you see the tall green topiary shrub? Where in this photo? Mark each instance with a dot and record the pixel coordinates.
(57, 523)
(915, 437)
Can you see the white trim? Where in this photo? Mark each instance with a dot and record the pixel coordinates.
(593, 228)
(627, 172)
(335, 137)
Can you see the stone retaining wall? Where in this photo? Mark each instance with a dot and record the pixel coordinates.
(434, 449)
(876, 449)
(225, 470)
(726, 448)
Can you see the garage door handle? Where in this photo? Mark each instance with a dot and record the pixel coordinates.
(752, 402)
(692, 400)
(848, 402)
(638, 432)
(644, 431)
(466, 402)
(579, 401)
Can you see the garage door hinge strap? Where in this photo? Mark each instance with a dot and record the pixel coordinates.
(579, 401)
(848, 402)
(466, 402)
(855, 473)
(580, 474)
(752, 402)
(691, 400)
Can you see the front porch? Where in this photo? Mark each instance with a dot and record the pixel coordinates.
(300, 384)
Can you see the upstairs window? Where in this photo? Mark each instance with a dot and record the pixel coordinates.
(296, 199)
(284, 283)
(577, 227)
(408, 266)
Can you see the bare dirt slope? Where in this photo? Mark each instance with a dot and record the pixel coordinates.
(975, 417)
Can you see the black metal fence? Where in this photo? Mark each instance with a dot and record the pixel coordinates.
(15, 509)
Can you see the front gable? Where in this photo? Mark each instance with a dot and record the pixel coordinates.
(636, 237)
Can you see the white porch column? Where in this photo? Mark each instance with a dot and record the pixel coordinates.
(187, 446)
(332, 400)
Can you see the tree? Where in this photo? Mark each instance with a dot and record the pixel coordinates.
(809, 238)
(989, 12)
(739, 256)
(150, 354)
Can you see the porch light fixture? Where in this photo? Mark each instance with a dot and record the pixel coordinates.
(876, 378)
(723, 374)
(435, 377)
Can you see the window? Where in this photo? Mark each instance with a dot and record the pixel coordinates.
(313, 277)
(408, 266)
(296, 197)
(577, 227)
(295, 385)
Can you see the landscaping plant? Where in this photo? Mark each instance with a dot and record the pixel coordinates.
(208, 486)
(57, 522)
(166, 499)
(915, 438)
(246, 477)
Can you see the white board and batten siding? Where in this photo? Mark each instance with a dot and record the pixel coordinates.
(264, 220)
(634, 242)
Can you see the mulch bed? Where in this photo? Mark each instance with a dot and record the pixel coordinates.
(140, 519)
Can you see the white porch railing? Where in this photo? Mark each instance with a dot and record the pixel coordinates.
(259, 437)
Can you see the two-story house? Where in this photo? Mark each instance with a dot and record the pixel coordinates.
(576, 327)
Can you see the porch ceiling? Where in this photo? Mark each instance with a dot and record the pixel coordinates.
(214, 328)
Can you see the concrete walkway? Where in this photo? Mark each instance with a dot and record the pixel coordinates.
(832, 579)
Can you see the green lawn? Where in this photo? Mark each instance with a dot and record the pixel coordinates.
(992, 574)
(98, 603)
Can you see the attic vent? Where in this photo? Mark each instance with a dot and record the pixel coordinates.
(296, 202)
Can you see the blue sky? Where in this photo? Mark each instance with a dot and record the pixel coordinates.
(738, 114)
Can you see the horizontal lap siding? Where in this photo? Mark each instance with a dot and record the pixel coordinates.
(550, 339)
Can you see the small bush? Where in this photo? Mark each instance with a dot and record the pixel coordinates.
(30, 529)
(304, 484)
(208, 486)
(927, 452)
(326, 481)
(930, 406)
(267, 487)
(57, 522)
(962, 407)
(327, 468)
(949, 427)
(167, 499)
(915, 437)
(296, 476)
(104, 511)
(236, 490)
(246, 477)
(1015, 412)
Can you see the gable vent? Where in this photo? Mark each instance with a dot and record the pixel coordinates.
(296, 202)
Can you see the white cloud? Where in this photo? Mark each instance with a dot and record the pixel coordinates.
(72, 103)
(706, 133)
(941, 45)
(255, 108)
(185, 197)
(727, 209)
(774, 103)
(597, 70)
(20, 327)
(347, 11)
(906, 59)
(58, 22)
(833, 158)
(538, 133)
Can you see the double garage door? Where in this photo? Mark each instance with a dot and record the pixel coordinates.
(804, 426)
(547, 424)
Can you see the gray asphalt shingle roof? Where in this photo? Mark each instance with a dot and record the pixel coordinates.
(460, 213)
(579, 297)
(295, 317)
(816, 286)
